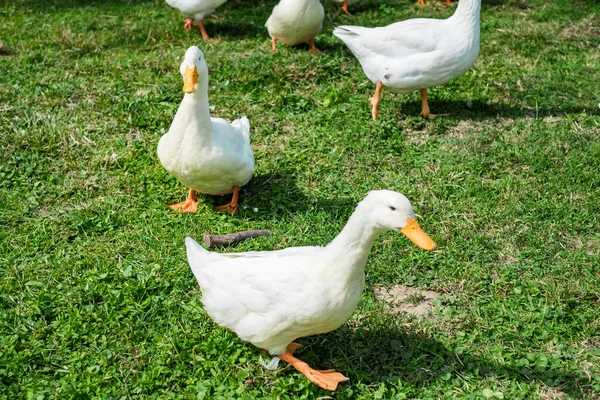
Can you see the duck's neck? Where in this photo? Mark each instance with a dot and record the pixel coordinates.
(195, 105)
(351, 247)
(468, 11)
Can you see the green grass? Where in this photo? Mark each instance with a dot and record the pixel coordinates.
(97, 299)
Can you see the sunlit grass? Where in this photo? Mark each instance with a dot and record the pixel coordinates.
(97, 299)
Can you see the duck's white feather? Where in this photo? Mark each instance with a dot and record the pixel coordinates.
(271, 298)
(207, 154)
(198, 9)
(295, 21)
(417, 53)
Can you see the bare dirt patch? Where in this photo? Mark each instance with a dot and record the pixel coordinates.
(407, 299)
(583, 29)
(4, 50)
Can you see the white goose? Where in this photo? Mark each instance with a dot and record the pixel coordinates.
(270, 298)
(208, 155)
(416, 54)
(295, 21)
(196, 10)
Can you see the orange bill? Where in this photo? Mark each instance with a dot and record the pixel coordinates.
(413, 231)
(190, 79)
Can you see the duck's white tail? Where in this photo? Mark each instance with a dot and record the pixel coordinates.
(196, 255)
(242, 125)
(345, 31)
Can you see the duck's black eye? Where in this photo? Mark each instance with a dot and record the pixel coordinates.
(392, 208)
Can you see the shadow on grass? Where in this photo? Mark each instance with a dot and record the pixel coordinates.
(482, 110)
(391, 355)
(323, 46)
(278, 195)
(359, 7)
(57, 5)
(233, 29)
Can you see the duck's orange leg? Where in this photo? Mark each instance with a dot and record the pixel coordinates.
(273, 44)
(313, 48)
(449, 2)
(345, 8)
(425, 112)
(203, 31)
(375, 101)
(232, 206)
(189, 205)
(421, 2)
(328, 379)
(187, 25)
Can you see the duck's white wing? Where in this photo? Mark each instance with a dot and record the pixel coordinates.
(231, 154)
(242, 125)
(290, 251)
(235, 285)
(407, 50)
(398, 40)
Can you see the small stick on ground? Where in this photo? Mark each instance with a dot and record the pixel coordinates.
(231, 238)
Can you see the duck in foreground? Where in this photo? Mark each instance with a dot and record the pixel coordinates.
(196, 10)
(206, 154)
(271, 298)
(416, 54)
(296, 21)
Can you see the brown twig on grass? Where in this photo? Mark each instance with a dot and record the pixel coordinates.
(231, 238)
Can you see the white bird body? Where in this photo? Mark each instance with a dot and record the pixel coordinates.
(270, 298)
(206, 154)
(416, 54)
(197, 9)
(209, 158)
(295, 21)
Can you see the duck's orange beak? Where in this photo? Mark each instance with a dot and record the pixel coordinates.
(190, 79)
(413, 231)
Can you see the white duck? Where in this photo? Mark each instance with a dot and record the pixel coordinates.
(270, 298)
(295, 21)
(196, 9)
(416, 54)
(208, 155)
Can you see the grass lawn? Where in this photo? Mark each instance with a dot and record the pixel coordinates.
(97, 299)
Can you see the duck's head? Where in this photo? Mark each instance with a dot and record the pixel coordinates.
(192, 67)
(392, 211)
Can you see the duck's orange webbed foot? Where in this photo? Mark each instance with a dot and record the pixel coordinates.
(232, 206)
(313, 48)
(187, 25)
(189, 205)
(327, 380)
